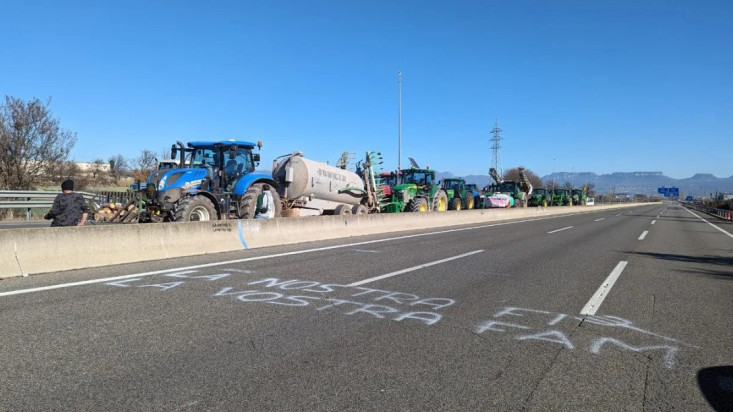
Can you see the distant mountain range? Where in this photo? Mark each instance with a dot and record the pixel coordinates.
(701, 184)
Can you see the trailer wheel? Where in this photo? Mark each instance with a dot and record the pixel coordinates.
(249, 201)
(418, 204)
(359, 210)
(195, 209)
(342, 210)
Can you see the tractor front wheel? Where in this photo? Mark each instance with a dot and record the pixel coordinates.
(418, 204)
(195, 209)
(469, 203)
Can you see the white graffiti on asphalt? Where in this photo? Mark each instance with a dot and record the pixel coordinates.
(525, 319)
(375, 303)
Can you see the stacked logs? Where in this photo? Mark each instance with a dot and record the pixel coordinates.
(117, 213)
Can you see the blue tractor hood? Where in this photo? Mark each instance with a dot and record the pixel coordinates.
(185, 179)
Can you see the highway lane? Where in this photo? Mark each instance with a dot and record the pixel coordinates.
(477, 318)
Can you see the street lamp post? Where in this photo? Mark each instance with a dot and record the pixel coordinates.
(399, 122)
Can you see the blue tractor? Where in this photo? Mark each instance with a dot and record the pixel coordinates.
(214, 180)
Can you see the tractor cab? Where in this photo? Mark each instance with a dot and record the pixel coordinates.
(422, 178)
(387, 181)
(454, 186)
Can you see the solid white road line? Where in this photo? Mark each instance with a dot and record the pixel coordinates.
(277, 255)
(399, 272)
(722, 230)
(595, 301)
(558, 230)
(598, 220)
(643, 235)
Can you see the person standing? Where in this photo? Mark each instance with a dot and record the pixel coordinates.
(265, 208)
(69, 208)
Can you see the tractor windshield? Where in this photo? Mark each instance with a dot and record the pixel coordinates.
(417, 177)
(388, 179)
(540, 191)
(240, 164)
(508, 187)
(203, 157)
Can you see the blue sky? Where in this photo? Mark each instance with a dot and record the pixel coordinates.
(598, 86)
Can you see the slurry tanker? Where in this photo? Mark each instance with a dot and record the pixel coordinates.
(310, 188)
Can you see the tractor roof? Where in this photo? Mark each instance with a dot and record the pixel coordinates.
(228, 142)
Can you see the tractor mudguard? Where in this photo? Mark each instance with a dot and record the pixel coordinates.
(247, 180)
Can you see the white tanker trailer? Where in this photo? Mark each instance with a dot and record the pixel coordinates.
(309, 188)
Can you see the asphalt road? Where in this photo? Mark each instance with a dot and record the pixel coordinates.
(610, 310)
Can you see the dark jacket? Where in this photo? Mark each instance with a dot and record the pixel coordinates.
(67, 209)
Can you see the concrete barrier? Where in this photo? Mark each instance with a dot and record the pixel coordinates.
(42, 250)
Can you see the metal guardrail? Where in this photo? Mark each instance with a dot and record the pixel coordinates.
(721, 213)
(34, 199)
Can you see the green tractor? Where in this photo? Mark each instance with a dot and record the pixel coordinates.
(417, 191)
(579, 196)
(540, 197)
(459, 195)
(508, 193)
(560, 197)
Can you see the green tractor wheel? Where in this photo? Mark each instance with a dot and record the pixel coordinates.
(440, 201)
(469, 203)
(418, 204)
(544, 203)
(455, 204)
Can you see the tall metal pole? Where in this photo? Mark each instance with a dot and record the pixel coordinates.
(399, 121)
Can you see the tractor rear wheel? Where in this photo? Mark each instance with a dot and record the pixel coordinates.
(248, 203)
(195, 209)
(455, 204)
(440, 201)
(469, 203)
(359, 210)
(418, 204)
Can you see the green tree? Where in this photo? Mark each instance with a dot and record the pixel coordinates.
(31, 143)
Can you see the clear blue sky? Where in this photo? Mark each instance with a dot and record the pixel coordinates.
(599, 86)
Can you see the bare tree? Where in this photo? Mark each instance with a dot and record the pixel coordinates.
(513, 174)
(118, 166)
(567, 186)
(98, 166)
(30, 140)
(590, 189)
(144, 164)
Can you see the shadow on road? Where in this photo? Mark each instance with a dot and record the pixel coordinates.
(716, 384)
(725, 263)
